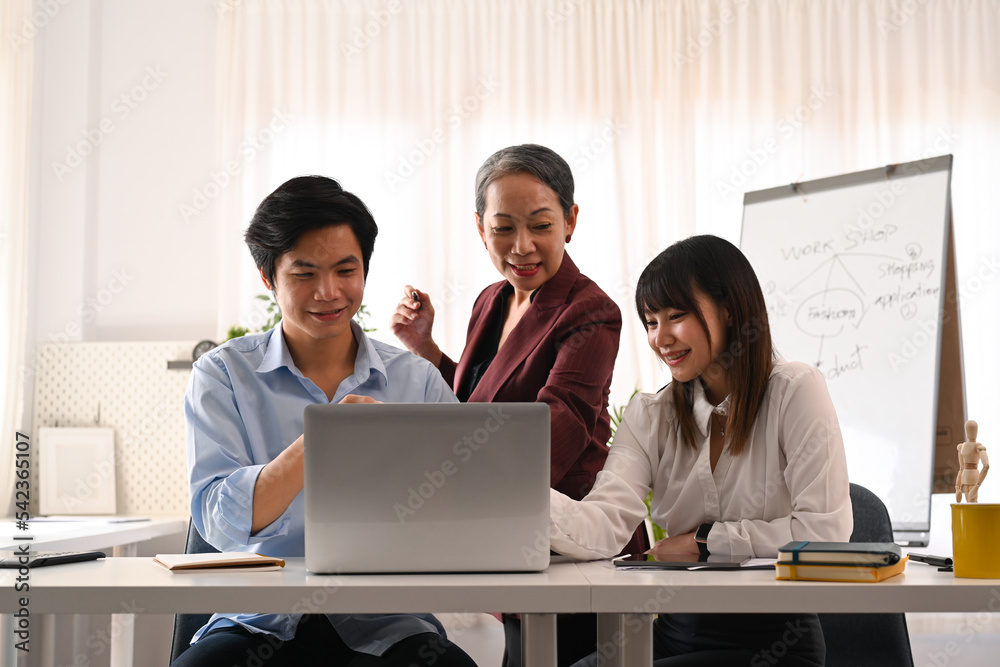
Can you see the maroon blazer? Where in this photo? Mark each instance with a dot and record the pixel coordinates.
(562, 353)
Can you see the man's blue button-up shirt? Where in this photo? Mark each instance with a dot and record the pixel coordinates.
(244, 406)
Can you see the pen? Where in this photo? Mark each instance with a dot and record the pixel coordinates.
(416, 297)
(939, 561)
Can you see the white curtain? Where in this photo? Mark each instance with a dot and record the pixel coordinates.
(15, 113)
(667, 112)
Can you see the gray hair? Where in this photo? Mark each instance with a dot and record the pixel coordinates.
(543, 163)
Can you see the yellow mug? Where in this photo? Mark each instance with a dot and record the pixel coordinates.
(975, 540)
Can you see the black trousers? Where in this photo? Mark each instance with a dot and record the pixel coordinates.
(316, 643)
(576, 636)
(735, 640)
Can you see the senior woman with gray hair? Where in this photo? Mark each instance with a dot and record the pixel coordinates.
(544, 333)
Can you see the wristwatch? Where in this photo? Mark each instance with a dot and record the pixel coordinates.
(701, 537)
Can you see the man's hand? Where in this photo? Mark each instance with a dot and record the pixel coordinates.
(283, 478)
(354, 398)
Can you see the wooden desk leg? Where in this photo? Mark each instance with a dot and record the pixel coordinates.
(624, 640)
(538, 640)
(123, 643)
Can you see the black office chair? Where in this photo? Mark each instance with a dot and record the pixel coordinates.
(185, 625)
(857, 640)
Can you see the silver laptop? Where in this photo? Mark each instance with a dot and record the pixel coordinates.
(427, 487)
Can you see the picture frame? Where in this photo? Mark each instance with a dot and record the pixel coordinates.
(76, 471)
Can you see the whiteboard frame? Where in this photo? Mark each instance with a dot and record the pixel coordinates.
(915, 168)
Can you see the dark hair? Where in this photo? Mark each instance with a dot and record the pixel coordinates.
(718, 269)
(300, 205)
(543, 163)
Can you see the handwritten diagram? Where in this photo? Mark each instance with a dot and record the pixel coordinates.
(832, 285)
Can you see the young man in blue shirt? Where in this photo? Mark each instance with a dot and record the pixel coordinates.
(312, 242)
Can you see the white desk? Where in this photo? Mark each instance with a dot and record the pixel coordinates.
(90, 535)
(102, 586)
(138, 584)
(122, 538)
(626, 601)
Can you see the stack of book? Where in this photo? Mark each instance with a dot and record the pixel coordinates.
(839, 561)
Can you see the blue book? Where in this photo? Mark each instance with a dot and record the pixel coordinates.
(869, 554)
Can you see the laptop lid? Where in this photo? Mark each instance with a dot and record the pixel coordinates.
(427, 487)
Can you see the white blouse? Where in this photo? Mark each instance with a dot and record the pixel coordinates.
(790, 482)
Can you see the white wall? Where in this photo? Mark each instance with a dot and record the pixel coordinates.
(130, 86)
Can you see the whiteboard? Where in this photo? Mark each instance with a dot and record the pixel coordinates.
(853, 270)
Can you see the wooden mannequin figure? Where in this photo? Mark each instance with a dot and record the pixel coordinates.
(970, 453)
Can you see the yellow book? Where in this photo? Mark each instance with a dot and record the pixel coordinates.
(839, 572)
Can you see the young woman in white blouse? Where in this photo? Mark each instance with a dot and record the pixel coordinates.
(742, 453)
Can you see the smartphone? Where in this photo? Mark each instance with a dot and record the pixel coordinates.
(15, 559)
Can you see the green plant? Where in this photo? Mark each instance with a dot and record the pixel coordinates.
(617, 414)
(273, 312)
(362, 318)
(272, 309)
(236, 331)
